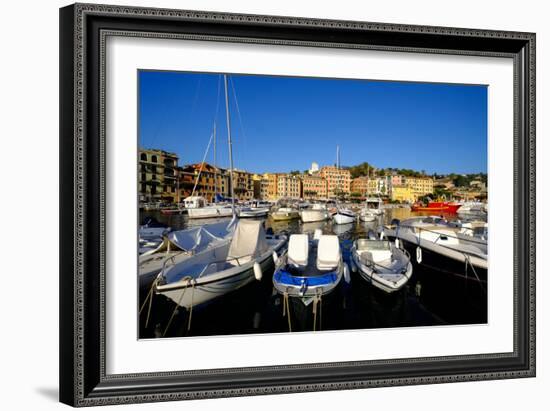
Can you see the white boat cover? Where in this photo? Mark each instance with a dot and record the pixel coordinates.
(328, 252)
(298, 249)
(248, 241)
(194, 239)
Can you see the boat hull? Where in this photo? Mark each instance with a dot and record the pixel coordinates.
(313, 216)
(285, 216)
(343, 219)
(186, 295)
(373, 278)
(207, 212)
(253, 213)
(310, 291)
(444, 259)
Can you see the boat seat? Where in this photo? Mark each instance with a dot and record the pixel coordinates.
(373, 250)
(317, 234)
(298, 249)
(328, 252)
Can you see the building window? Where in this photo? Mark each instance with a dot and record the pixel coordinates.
(154, 159)
(143, 157)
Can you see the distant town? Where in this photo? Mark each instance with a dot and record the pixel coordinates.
(163, 180)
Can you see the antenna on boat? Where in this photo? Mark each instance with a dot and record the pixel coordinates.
(230, 145)
(338, 157)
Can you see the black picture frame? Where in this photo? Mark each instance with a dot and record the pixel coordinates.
(83, 29)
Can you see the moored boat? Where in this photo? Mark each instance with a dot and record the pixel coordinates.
(252, 212)
(220, 268)
(436, 243)
(317, 212)
(285, 213)
(444, 206)
(310, 269)
(381, 263)
(180, 245)
(367, 215)
(344, 216)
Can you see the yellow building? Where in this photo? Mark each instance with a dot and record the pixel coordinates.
(289, 186)
(338, 180)
(244, 185)
(157, 176)
(420, 186)
(271, 185)
(314, 186)
(402, 194)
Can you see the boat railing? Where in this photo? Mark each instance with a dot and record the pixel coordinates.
(417, 229)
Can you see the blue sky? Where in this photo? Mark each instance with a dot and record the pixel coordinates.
(285, 123)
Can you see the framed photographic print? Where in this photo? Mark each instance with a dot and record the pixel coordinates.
(262, 204)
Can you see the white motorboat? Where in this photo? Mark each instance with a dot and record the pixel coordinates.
(344, 216)
(317, 212)
(381, 263)
(253, 212)
(442, 245)
(220, 268)
(367, 216)
(285, 213)
(374, 205)
(310, 269)
(473, 209)
(210, 211)
(180, 245)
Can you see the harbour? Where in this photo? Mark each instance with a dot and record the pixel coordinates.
(225, 251)
(432, 296)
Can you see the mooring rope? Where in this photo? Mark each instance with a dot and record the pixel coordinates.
(149, 299)
(193, 282)
(317, 307)
(188, 279)
(286, 310)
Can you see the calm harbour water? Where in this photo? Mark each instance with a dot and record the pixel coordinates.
(431, 297)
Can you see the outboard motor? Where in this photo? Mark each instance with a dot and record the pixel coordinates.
(269, 231)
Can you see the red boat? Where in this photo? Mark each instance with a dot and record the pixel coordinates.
(444, 206)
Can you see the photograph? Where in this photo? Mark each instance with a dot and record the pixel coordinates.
(284, 204)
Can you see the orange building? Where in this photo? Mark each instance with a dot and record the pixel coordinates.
(314, 186)
(338, 180)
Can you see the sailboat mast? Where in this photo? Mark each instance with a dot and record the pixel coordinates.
(215, 168)
(228, 119)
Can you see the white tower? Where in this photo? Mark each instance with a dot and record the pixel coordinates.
(314, 168)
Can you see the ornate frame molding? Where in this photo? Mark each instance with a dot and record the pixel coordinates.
(83, 41)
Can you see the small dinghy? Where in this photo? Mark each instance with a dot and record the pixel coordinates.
(310, 269)
(381, 263)
(220, 268)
